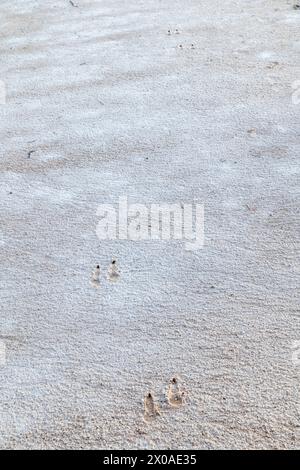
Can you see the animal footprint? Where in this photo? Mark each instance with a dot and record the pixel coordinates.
(252, 132)
(192, 46)
(113, 273)
(95, 281)
(151, 409)
(175, 395)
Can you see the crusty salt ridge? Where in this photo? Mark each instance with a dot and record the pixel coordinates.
(111, 104)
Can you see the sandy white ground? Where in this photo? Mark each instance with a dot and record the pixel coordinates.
(109, 104)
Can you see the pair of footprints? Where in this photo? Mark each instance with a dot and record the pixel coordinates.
(112, 274)
(175, 397)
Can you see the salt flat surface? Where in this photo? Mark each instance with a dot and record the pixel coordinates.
(107, 103)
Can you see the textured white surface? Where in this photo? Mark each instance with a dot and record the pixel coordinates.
(112, 105)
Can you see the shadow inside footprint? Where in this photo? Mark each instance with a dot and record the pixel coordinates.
(175, 395)
(151, 410)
